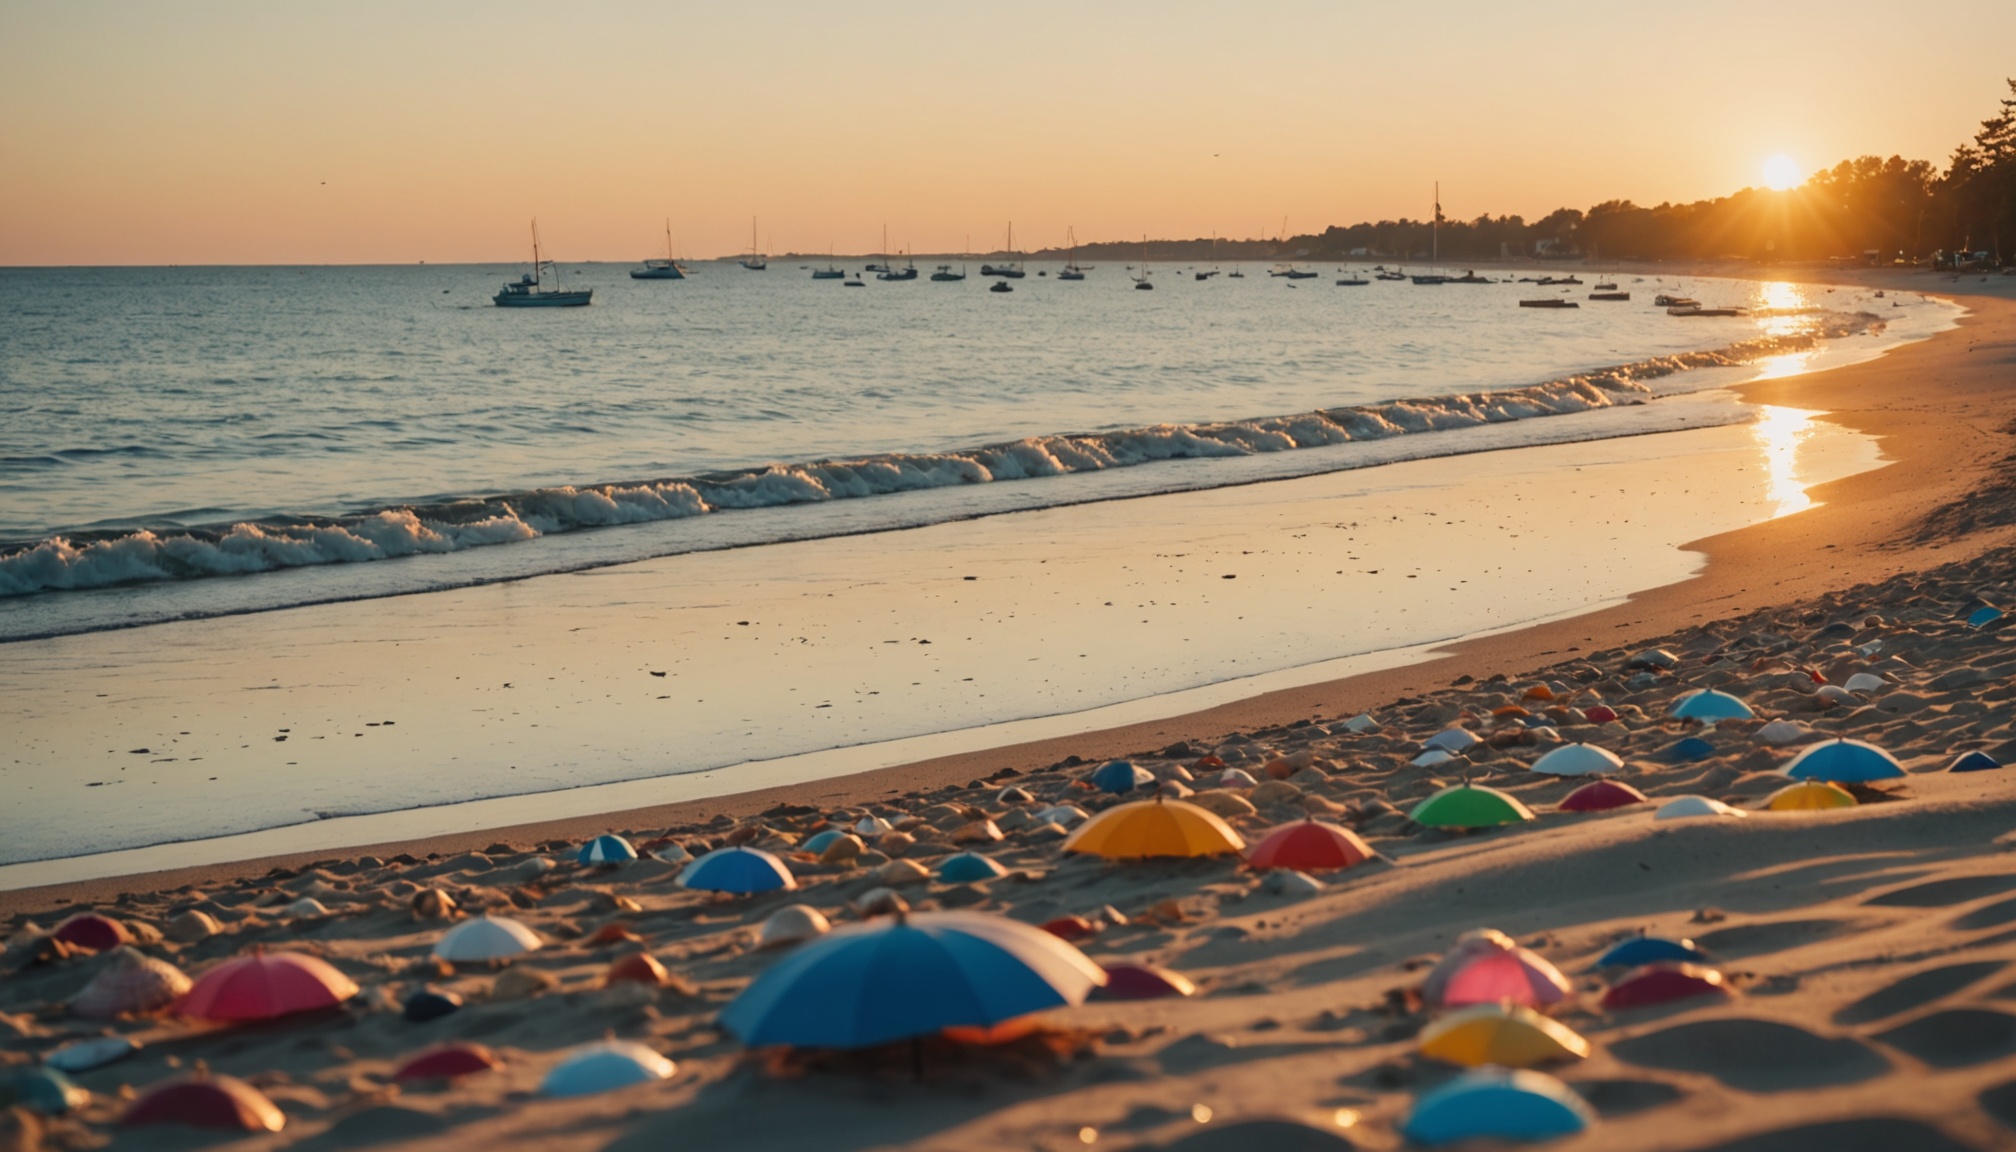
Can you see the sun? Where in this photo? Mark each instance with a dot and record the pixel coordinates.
(1781, 172)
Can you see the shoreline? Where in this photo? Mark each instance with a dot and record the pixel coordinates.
(1938, 453)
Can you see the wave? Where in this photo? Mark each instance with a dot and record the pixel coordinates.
(80, 560)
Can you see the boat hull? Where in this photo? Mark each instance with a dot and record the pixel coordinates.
(543, 299)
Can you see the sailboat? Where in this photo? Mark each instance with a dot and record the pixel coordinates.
(1214, 260)
(1434, 243)
(831, 271)
(889, 272)
(1013, 268)
(754, 262)
(530, 291)
(666, 269)
(1071, 269)
(1141, 281)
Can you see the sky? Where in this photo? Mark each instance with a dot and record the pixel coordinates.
(206, 132)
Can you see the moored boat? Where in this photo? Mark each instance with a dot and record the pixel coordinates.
(656, 269)
(530, 290)
(1549, 302)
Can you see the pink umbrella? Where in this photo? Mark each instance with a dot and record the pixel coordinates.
(1487, 967)
(264, 985)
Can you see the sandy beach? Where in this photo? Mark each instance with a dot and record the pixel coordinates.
(1865, 949)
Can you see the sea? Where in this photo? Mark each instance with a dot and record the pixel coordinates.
(189, 442)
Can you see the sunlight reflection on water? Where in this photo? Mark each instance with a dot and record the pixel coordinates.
(1781, 432)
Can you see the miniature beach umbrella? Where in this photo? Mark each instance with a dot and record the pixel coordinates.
(1142, 982)
(1118, 776)
(44, 1090)
(1486, 967)
(1663, 983)
(1309, 846)
(429, 1004)
(90, 930)
(1501, 1103)
(1809, 794)
(604, 1066)
(1688, 807)
(1510, 1035)
(820, 841)
(1601, 796)
(1599, 713)
(1469, 806)
(265, 985)
(906, 976)
(1844, 761)
(208, 1102)
(1451, 739)
(606, 849)
(1983, 616)
(1973, 762)
(1643, 950)
(1236, 778)
(91, 1052)
(448, 1061)
(1688, 749)
(1146, 828)
(1432, 757)
(969, 868)
(484, 939)
(740, 870)
(872, 826)
(1710, 706)
(1578, 760)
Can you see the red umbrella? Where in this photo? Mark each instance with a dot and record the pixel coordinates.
(208, 1102)
(1599, 713)
(264, 985)
(447, 1062)
(1601, 796)
(1071, 928)
(1309, 846)
(1661, 983)
(1142, 982)
(90, 930)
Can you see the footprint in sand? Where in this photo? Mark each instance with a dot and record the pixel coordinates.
(1944, 893)
(1623, 1097)
(1989, 916)
(2000, 1102)
(1873, 1134)
(1917, 990)
(1754, 1055)
(1956, 1038)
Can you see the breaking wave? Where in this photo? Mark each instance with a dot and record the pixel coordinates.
(97, 560)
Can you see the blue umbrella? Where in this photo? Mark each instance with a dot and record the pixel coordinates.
(1709, 706)
(1844, 761)
(1119, 776)
(606, 849)
(1984, 616)
(917, 975)
(820, 841)
(1502, 1103)
(738, 870)
(1650, 950)
(429, 1004)
(1974, 762)
(1689, 748)
(47, 1091)
(968, 868)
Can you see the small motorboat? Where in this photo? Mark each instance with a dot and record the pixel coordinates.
(944, 274)
(1609, 296)
(1471, 278)
(1353, 282)
(1549, 302)
(1001, 286)
(1606, 287)
(1665, 301)
(1697, 310)
(854, 282)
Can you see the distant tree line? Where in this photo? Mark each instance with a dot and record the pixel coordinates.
(1895, 208)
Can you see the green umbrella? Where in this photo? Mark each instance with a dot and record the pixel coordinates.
(1469, 806)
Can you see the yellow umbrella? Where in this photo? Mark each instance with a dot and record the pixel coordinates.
(1511, 1035)
(1808, 794)
(1154, 828)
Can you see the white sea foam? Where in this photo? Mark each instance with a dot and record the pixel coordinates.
(76, 561)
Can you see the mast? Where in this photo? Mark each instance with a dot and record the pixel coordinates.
(1435, 230)
(538, 269)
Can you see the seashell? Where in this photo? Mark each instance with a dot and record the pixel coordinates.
(1014, 795)
(900, 872)
(895, 843)
(306, 908)
(978, 832)
(872, 826)
(792, 924)
(842, 850)
(1225, 804)
(131, 984)
(433, 904)
(521, 982)
(192, 926)
(879, 902)
(1274, 792)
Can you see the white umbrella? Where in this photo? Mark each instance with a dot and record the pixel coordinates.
(485, 938)
(1578, 760)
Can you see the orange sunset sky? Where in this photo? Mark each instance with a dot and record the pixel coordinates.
(209, 132)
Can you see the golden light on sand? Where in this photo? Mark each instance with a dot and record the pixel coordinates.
(1782, 172)
(1780, 432)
